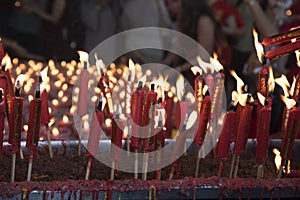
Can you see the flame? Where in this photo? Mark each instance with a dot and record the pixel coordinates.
(65, 119)
(242, 99)
(21, 78)
(191, 120)
(204, 65)
(143, 79)
(239, 82)
(83, 56)
(43, 74)
(261, 98)
(196, 69)
(290, 103)
(298, 57)
(259, 48)
(293, 86)
(100, 66)
(284, 84)
(52, 121)
(205, 89)
(131, 70)
(271, 80)
(277, 158)
(55, 131)
(7, 61)
(235, 97)
(216, 63)
(180, 87)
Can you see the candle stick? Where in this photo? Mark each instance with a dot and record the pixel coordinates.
(94, 137)
(116, 142)
(225, 137)
(15, 125)
(169, 114)
(128, 103)
(283, 50)
(263, 77)
(2, 117)
(199, 84)
(33, 128)
(148, 121)
(282, 37)
(159, 144)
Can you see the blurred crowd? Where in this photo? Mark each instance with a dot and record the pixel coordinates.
(56, 29)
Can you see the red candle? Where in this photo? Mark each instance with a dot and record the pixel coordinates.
(210, 82)
(137, 115)
(225, 136)
(199, 85)
(83, 91)
(205, 114)
(1, 51)
(159, 144)
(263, 78)
(45, 118)
(183, 110)
(283, 50)
(116, 138)
(243, 130)
(2, 117)
(237, 121)
(149, 113)
(177, 109)
(104, 86)
(95, 132)
(169, 112)
(296, 95)
(282, 37)
(34, 123)
(262, 135)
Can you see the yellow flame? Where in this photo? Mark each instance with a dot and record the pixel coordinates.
(52, 121)
(180, 87)
(235, 97)
(83, 56)
(191, 120)
(131, 69)
(21, 78)
(239, 82)
(242, 98)
(100, 66)
(55, 131)
(205, 66)
(216, 63)
(65, 119)
(290, 103)
(298, 57)
(196, 69)
(284, 84)
(30, 97)
(259, 48)
(261, 98)
(7, 61)
(205, 89)
(271, 80)
(143, 79)
(293, 86)
(277, 158)
(108, 122)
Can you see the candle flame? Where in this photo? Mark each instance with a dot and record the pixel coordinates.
(216, 63)
(100, 66)
(143, 79)
(205, 66)
(180, 87)
(7, 61)
(284, 84)
(131, 69)
(21, 78)
(277, 158)
(271, 80)
(205, 89)
(239, 82)
(55, 131)
(65, 119)
(191, 120)
(83, 56)
(293, 86)
(290, 103)
(242, 98)
(259, 48)
(261, 98)
(52, 121)
(298, 57)
(196, 69)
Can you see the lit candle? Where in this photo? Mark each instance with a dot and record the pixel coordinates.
(283, 50)
(169, 112)
(2, 117)
(83, 90)
(282, 37)
(159, 144)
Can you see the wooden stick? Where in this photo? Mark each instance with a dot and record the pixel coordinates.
(21, 153)
(236, 166)
(13, 166)
(136, 164)
(112, 171)
(30, 166)
(89, 168)
(197, 163)
(260, 169)
(232, 165)
(145, 166)
(220, 169)
(49, 141)
(79, 138)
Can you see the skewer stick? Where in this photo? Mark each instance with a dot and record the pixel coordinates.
(260, 171)
(136, 164)
(220, 169)
(21, 153)
(89, 168)
(49, 142)
(236, 166)
(232, 165)
(197, 163)
(79, 138)
(145, 165)
(112, 171)
(30, 166)
(13, 166)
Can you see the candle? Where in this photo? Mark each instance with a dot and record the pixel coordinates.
(199, 84)
(34, 122)
(45, 118)
(283, 50)
(1, 51)
(282, 37)
(83, 91)
(263, 77)
(216, 108)
(169, 112)
(2, 117)
(296, 95)
(159, 144)
(137, 115)
(104, 86)
(205, 114)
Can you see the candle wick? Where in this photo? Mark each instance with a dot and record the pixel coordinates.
(38, 91)
(18, 88)
(40, 78)
(152, 86)
(140, 85)
(3, 67)
(99, 107)
(85, 65)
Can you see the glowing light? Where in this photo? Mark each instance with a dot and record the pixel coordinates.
(284, 84)
(55, 131)
(259, 48)
(240, 84)
(196, 69)
(180, 87)
(277, 158)
(290, 103)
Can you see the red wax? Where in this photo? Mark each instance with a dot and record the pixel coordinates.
(137, 117)
(262, 134)
(177, 120)
(45, 118)
(282, 37)
(104, 86)
(15, 121)
(296, 95)
(94, 136)
(10, 92)
(263, 78)
(225, 136)
(34, 123)
(210, 82)
(1, 52)
(83, 93)
(199, 84)
(2, 117)
(116, 139)
(205, 114)
(283, 50)
(169, 112)
(183, 111)
(237, 121)
(287, 144)
(243, 130)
